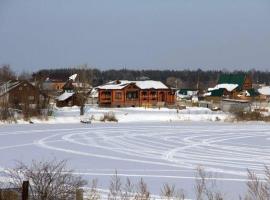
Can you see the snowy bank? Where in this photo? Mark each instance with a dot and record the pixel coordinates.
(129, 115)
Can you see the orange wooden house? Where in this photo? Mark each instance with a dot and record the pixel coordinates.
(135, 93)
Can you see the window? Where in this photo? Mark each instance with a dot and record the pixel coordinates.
(144, 95)
(154, 95)
(118, 95)
(31, 98)
(106, 93)
(132, 95)
(32, 106)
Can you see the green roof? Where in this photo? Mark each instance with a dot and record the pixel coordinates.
(238, 79)
(217, 93)
(253, 92)
(185, 91)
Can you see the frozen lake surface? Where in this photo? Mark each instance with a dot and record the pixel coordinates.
(157, 152)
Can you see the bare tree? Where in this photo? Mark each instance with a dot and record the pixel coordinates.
(6, 73)
(115, 190)
(128, 190)
(24, 75)
(142, 192)
(94, 193)
(49, 180)
(205, 187)
(258, 189)
(169, 192)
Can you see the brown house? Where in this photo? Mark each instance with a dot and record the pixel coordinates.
(21, 95)
(70, 96)
(135, 93)
(52, 85)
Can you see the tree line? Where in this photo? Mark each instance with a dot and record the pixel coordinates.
(175, 78)
(192, 79)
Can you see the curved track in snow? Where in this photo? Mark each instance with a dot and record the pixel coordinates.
(156, 151)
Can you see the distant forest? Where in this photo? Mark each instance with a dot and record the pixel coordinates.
(174, 78)
(192, 79)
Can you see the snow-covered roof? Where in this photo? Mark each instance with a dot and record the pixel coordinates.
(73, 77)
(147, 84)
(114, 85)
(245, 93)
(207, 94)
(94, 93)
(7, 86)
(185, 93)
(264, 90)
(228, 86)
(65, 96)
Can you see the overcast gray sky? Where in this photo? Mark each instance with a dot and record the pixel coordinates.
(157, 34)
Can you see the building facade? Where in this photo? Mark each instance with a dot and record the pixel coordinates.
(135, 93)
(232, 86)
(22, 95)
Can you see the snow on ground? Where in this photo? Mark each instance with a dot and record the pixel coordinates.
(159, 152)
(139, 114)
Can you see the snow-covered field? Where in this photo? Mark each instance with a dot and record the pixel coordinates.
(159, 152)
(131, 115)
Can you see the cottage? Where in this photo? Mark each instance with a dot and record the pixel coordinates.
(21, 95)
(135, 93)
(232, 86)
(70, 95)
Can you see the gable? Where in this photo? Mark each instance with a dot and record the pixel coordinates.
(132, 86)
(12, 85)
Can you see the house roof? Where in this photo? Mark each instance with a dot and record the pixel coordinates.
(228, 86)
(238, 79)
(65, 96)
(8, 86)
(94, 93)
(147, 84)
(264, 90)
(216, 92)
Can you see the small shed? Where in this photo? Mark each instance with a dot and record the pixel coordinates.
(234, 105)
(186, 93)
